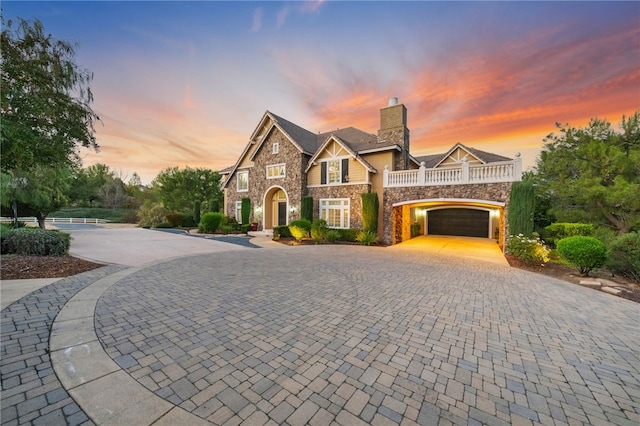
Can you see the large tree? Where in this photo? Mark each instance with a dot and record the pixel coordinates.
(45, 101)
(179, 189)
(592, 174)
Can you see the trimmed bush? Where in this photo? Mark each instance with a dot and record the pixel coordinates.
(366, 238)
(529, 250)
(245, 210)
(226, 229)
(319, 230)
(585, 253)
(348, 234)
(174, 219)
(187, 221)
(36, 242)
(300, 229)
(370, 207)
(333, 235)
(281, 231)
(559, 230)
(197, 205)
(624, 257)
(306, 208)
(210, 222)
(521, 208)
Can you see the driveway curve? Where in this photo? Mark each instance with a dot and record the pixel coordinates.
(357, 335)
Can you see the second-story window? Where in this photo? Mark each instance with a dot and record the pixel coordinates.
(243, 181)
(276, 148)
(276, 171)
(334, 171)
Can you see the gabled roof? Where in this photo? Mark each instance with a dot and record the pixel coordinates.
(349, 149)
(434, 160)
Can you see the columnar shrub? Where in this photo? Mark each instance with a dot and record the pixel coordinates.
(306, 208)
(530, 250)
(319, 230)
(559, 230)
(196, 211)
(624, 257)
(36, 242)
(300, 229)
(585, 253)
(210, 222)
(521, 208)
(245, 210)
(370, 207)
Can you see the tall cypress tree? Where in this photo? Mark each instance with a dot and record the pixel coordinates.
(370, 207)
(521, 208)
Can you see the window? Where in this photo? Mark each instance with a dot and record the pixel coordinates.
(243, 181)
(276, 148)
(334, 171)
(276, 171)
(335, 211)
(239, 211)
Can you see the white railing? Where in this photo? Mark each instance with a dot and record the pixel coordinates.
(503, 171)
(55, 220)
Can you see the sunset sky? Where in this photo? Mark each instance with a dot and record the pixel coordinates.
(186, 83)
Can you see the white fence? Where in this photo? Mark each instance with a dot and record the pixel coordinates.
(54, 220)
(504, 171)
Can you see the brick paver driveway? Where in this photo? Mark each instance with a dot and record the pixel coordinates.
(354, 335)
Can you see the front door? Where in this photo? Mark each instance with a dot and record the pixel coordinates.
(282, 213)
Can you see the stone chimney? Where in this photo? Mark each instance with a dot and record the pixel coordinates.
(393, 128)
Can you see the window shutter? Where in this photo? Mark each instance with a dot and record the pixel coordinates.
(323, 172)
(345, 170)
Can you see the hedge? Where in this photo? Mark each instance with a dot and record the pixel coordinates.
(35, 242)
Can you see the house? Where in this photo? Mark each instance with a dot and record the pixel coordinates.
(464, 191)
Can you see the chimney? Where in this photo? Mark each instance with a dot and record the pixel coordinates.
(393, 129)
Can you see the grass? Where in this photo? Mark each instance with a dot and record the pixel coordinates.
(112, 215)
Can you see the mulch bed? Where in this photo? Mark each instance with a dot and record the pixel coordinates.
(15, 267)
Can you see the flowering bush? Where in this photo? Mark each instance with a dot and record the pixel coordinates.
(530, 250)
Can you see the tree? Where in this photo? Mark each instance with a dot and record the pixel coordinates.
(521, 208)
(592, 174)
(178, 189)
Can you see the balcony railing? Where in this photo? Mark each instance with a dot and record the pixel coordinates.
(503, 171)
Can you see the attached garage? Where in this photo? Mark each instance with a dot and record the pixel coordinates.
(458, 221)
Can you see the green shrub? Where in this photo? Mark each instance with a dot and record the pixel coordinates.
(319, 230)
(624, 257)
(164, 225)
(245, 228)
(528, 249)
(226, 229)
(281, 231)
(197, 206)
(175, 219)
(151, 214)
(521, 208)
(333, 235)
(370, 207)
(300, 229)
(210, 222)
(306, 208)
(348, 234)
(559, 230)
(188, 221)
(36, 242)
(245, 210)
(366, 238)
(585, 253)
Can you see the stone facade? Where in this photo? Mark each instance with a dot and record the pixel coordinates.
(352, 192)
(396, 226)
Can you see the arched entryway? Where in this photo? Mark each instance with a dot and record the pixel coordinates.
(276, 207)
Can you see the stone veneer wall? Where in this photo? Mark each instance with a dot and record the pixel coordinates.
(397, 221)
(341, 191)
(293, 183)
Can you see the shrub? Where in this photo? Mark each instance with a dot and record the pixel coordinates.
(197, 205)
(210, 222)
(559, 230)
(370, 207)
(624, 257)
(366, 238)
(585, 253)
(226, 229)
(333, 235)
(164, 225)
(281, 231)
(245, 228)
(36, 242)
(348, 234)
(306, 208)
(188, 221)
(151, 214)
(521, 208)
(319, 230)
(245, 210)
(300, 229)
(175, 219)
(529, 250)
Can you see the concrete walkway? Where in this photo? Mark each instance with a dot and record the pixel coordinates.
(319, 335)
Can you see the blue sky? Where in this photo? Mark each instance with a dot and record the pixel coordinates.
(185, 83)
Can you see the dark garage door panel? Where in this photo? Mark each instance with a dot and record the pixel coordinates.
(460, 222)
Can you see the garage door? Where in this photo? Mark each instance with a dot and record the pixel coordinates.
(461, 222)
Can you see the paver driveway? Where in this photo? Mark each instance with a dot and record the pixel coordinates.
(352, 335)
